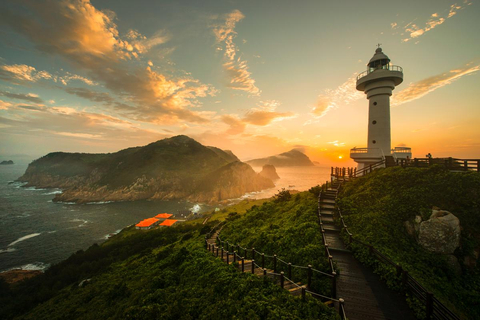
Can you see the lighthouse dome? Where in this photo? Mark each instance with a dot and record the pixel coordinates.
(379, 59)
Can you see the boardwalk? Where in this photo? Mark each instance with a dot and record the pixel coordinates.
(366, 297)
(246, 266)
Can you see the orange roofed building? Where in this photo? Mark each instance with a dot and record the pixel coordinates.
(163, 215)
(147, 223)
(168, 222)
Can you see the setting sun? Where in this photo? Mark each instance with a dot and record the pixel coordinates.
(340, 157)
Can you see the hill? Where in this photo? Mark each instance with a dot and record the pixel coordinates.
(292, 158)
(166, 273)
(376, 207)
(174, 168)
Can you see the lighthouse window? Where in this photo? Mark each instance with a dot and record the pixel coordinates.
(375, 103)
(374, 121)
(374, 141)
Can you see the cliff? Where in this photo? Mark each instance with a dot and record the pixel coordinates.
(268, 171)
(291, 158)
(174, 168)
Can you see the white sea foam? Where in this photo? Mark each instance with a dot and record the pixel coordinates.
(54, 192)
(35, 266)
(99, 202)
(196, 208)
(35, 189)
(7, 250)
(83, 222)
(24, 238)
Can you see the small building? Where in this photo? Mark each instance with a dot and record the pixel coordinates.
(147, 223)
(168, 222)
(163, 215)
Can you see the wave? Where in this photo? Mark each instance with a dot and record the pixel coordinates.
(61, 202)
(54, 192)
(99, 202)
(196, 209)
(108, 236)
(7, 250)
(35, 189)
(83, 222)
(35, 266)
(24, 238)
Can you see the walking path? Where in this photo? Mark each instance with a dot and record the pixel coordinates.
(366, 296)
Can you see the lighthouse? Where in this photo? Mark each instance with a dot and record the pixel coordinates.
(378, 82)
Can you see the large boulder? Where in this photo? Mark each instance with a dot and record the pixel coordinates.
(440, 233)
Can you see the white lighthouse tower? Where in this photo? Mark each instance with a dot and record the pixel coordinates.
(378, 82)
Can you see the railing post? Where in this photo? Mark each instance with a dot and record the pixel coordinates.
(217, 251)
(228, 246)
(275, 263)
(264, 272)
(263, 260)
(282, 279)
(334, 285)
(303, 293)
(478, 165)
(341, 307)
(404, 280)
(253, 266)
(228, 257)
(243, 264)
(253, 253)
(234, 256)
(289, 271)
(309, 274)
(222, 253)
(429, 306)
(465, 164)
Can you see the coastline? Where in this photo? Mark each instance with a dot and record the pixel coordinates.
(16, 275)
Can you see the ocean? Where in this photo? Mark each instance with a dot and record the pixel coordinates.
(36, 232)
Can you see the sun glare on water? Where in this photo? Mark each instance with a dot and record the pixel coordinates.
(340, 157)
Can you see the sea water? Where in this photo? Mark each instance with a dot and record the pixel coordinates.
(36, 232)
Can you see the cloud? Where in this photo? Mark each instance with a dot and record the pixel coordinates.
(336, 143)
(21, 72)
(265, 114)
(331, 99)
(237, 126)
(85, 93)
(435, 20)
(38, 120)
(70, 76)
(235, 68)
(22, 96)
(423, 87)
(89, 39)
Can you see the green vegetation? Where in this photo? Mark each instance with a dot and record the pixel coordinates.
(239, 208)
(158, 274)
(376, 206)
(288, 228)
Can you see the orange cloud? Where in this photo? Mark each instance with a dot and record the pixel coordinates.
(89, 39)
(423, 87)
(435, 20)
(237, 126)
(236, 68)
(22, 72)
(344, 94)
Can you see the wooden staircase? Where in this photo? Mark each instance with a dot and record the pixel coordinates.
(365, 296)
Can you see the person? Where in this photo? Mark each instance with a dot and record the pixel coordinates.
(429, 155)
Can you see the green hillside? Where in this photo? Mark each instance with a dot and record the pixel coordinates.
(167, 274)
(376, 206)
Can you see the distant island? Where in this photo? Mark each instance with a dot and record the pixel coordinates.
(173, 168)
(292, 158)
(6, 162)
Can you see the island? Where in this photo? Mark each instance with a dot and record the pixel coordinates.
(6, 162)
(292, 158)
(173, 168)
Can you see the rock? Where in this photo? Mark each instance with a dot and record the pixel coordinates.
(471, 261)
(413, 227)
(292, 158)
(269, 172)
(440, 233)
(6, 162)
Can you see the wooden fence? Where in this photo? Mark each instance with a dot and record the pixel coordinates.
(433, 308)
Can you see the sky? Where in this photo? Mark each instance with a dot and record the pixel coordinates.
(255, 77)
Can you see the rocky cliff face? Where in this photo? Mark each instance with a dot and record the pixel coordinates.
(174, 168)
(269, 172)
(292, 158)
